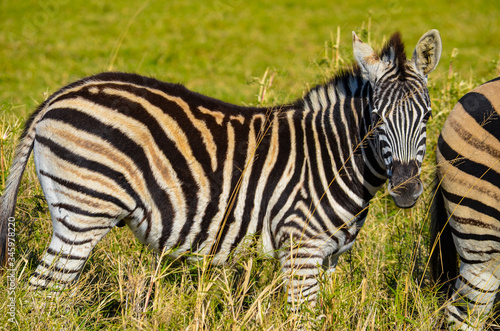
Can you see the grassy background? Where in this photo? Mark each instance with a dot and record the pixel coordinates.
(219, 47)
(223, 49)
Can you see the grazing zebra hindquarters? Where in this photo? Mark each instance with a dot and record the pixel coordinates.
(190, 173)
(466, 211)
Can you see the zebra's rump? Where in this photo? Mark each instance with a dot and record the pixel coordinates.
(468, 168)
(469, 160)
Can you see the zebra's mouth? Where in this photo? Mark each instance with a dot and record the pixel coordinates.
(405, 185)
(405, 199)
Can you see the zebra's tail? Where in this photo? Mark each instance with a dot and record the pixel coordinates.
(9, 197)
(443, 256)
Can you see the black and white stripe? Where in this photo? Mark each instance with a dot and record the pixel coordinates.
(466, 210)
(190, 173)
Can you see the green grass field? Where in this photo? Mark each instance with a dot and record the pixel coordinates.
(244, 52)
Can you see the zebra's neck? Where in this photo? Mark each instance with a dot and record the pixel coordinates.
(340, 114)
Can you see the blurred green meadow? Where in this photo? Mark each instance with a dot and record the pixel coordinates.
(244, 52)
(221, 47)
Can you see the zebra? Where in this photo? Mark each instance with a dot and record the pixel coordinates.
(191, 174)
(466, 206)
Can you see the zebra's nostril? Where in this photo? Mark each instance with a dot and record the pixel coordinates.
(419, 188)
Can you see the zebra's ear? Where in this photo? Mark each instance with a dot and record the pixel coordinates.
(367, 59)
(427, 52)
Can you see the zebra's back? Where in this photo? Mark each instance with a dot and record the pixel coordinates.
(468, 158)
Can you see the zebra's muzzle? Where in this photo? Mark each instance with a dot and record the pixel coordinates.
(405, 185)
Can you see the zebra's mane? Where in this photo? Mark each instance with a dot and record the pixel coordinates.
(393, 49)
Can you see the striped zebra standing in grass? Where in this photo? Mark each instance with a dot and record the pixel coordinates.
(466, 207)
(188, 173)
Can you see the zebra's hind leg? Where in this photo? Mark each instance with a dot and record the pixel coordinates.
(84, 203)
(474, 294)
(73, 239)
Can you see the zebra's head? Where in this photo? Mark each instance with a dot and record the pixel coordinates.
(400, 107)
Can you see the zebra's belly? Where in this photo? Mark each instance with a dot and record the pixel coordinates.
(220, 239)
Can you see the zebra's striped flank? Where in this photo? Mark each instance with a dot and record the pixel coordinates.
(193, 174)
(466, 219)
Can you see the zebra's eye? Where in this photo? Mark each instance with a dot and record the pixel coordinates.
(376, 119)
(377, 123)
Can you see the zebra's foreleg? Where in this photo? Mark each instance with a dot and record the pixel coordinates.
(474, 294)
(330, 263)
(301, 265)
